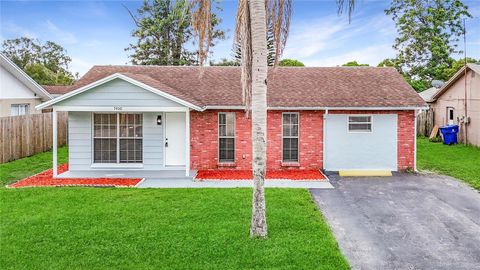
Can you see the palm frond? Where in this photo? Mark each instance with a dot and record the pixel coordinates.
(202, 27)
(279, 13)
(244, 38)
(346, 5)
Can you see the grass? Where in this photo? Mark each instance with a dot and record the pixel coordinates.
(459, 161)
(21, 168)
(127, 228)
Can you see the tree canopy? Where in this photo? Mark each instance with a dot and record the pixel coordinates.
(46, 63)
(164, 32)
(354, 64)
(291, 63)
(428, 35)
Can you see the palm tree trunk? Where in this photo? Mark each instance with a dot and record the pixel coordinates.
(259, 115)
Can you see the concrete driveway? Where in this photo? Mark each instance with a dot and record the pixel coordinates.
(404, 222)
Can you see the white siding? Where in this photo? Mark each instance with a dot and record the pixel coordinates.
(13, 88)
(372, 150)
(152, 142)
(80, 141)
(118, 93)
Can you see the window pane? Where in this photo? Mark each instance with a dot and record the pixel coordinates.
(226, 149)
(294, 118)
(131, 150)
(359, 119)
(230, 124)
(290, 150)
(222, 119)
(294, 130)
(360, 127)
(105, 151)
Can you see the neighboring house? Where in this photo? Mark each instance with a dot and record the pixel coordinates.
(449, 103)
(19, 94)
(57, 90)
(143, 119)
(428, 94)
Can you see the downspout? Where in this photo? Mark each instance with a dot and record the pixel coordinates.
(465, 121)
(324, 133)
(414, 144)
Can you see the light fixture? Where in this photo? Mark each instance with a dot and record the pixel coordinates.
(159, 120)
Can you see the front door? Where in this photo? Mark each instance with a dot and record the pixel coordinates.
(175, 131)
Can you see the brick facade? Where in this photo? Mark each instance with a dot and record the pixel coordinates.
(204, 140)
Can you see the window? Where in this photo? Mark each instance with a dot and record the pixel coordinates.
(226, 137)
(359, 123)
(450, 117)
(290, 137)
(117, 138)
(18, 109)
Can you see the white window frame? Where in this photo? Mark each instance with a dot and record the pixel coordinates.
(117, 164)
(360, 131)
(227, 137)
(26, 106)
(292, 137)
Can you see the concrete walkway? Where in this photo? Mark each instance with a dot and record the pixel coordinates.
(183, 183)
(404, 222)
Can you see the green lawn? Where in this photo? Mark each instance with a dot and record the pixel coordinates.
(18, 169)
(127, 228)
(459, 161)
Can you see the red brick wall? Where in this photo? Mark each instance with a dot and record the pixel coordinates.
(311, 140)
(204, 139)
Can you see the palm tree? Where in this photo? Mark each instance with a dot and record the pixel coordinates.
(252, 19)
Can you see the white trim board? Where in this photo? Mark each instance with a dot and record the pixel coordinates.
(113, 77)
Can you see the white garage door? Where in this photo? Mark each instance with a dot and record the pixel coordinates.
(360, 142)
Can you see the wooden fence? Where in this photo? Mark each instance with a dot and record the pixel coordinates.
(425, 123)
(23, 136)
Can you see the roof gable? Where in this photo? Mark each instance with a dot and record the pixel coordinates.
(473, 67)
(62, 100)
(23, 77)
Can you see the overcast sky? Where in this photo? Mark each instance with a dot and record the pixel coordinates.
(96, 33)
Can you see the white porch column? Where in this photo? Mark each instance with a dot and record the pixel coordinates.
(187, 142)
(55, 141)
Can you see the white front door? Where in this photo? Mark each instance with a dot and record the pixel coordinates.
(175, 132)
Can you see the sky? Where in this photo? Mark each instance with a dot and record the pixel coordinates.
(97, 32)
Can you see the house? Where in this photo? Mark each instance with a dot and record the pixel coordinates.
(135, 120)
(458, 102)
(19, 94)
(428, 94)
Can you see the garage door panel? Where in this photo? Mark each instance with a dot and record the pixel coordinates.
(361, 150)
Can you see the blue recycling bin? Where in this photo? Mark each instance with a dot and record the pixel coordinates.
(449, 134)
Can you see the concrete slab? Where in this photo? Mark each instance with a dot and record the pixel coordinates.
(406, 221)
(122, 173)
(181, 183)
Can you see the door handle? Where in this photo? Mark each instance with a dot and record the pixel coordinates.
(166, 142)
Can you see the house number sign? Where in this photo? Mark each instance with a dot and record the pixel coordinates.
(117, 108)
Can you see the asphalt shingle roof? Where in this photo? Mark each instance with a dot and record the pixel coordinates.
(287, 86)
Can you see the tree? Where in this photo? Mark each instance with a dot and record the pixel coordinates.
(354, 64)
(291, 63)
(164, 29)
(454, 66)
(428, 35)
(251, 33)
(46, 63)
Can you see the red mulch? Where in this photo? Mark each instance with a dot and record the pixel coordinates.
(45, 178)
(247, 175)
